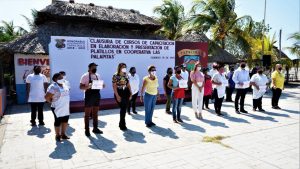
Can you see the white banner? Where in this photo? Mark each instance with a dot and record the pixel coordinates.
(73, 54)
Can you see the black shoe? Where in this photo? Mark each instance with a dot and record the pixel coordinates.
(168, 112)
(129, 113)
(237, 112)
(152, 124)
(261, 110)
(41, 123)
(134, 112)
(65, 137)
(179, 120)
(33, 123)
(244, 111)
(274, 107)
(278, 107)
(58, 138)
(207, 108)
(253, 109)
(175, 121)
(148, 125)
(87, 133)
(124, 128)
(220, 114)
(97, 131)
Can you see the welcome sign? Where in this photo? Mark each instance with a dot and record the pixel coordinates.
(73, 54)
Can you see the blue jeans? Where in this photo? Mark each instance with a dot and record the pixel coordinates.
(176, 109)
(149, 103)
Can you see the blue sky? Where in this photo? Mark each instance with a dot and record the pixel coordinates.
(281, 14)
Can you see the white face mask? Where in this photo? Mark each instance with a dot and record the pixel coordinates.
(123, 70)
(198, 68)
(64, 77)
(153, 73)
(61, 81)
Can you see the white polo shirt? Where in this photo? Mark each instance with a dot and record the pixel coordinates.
(37, 90)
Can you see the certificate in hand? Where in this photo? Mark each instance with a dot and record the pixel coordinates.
(246, 84)
(183, 84)
(97, 84)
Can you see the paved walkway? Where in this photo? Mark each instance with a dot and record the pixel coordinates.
(256, 141)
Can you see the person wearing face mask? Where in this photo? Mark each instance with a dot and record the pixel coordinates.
(178, 94)
(91, 98)
(185, 76)
(66, 82)
(277, 85)
(207, 88)
(211, 74)
(230, 87)
(122, 92)
(167, 90)
(150, 87)
(259, 85)
(36, 85)
(241, 79)
(197, 79)
(219, 82)
(134, 81)
(59, 96)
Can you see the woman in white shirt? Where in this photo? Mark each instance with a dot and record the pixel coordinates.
(59, 97)
(134, 81)
(259, 85)
(219, 82)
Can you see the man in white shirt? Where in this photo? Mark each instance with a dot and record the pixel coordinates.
(214, 69)
(259, 84)
(241, 79)
(134, 81)
(91, 98)
(185, 75)
(36, 85)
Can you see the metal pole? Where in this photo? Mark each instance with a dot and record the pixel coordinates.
(263, 30)
(280, 32)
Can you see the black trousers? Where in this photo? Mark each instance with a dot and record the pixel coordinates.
(132, 103)
(124, 94)
(37, 107)
(275, 97)
(240, 95)
(218, 102)
(229, 92)
(206, 101)
(257, 103)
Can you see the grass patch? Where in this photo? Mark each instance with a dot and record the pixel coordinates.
(216, 140)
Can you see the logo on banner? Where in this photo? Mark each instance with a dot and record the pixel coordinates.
(60, 43)
(190, 57)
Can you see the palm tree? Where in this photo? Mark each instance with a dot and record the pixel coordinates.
(29, 21)
(218, 17)
(295, 48)
(8, 31)
(171, 17)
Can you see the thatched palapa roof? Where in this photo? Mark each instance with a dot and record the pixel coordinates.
(83, 20)
(215, 52)
(62, 10)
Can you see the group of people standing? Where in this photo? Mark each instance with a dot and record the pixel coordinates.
(205, 85)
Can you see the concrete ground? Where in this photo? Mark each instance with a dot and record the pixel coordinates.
(257, 140)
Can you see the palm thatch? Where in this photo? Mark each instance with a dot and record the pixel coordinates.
(61, 10)
(83, 20)
(283, 55)
(215, 52)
